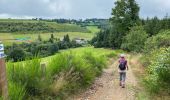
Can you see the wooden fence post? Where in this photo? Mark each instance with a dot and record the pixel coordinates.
(3, 79)
(43, 68)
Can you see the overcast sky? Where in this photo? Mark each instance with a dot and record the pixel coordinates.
(76, 9)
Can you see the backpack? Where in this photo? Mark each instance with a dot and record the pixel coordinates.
(122, 65)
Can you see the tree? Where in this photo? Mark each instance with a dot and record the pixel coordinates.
(52, 38)
(134, 41)
(152, 26)
(17, 54)
(124, 16)
(101, 40)
(39, 37)
(53, 48)
(67, 38)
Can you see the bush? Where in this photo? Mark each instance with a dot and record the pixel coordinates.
(160, 40)
(135, 39)
(17, 54)
(159, 71)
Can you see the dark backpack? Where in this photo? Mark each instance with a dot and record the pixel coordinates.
(122, 65)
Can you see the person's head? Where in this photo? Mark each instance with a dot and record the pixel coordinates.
(122, 56)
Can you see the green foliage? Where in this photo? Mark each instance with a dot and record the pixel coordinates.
(135, 39)
(28, 74)
(154, 25)
(52, 39)
(159, 71)
(160, 40)
(39, 37)
(23, 26)
(101, 40)
(53, 48)
(17, 53)
(66, 38)
(95, 62)
(16, 91)
(77, 62)
(65, 73)
(124, 16)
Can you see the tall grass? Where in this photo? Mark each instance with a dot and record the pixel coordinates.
(72, 71)
(26, 77)
(65, 73)
(16, 91)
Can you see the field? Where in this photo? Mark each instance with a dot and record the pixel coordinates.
(9, 38)
(25, 26)
(18, 31)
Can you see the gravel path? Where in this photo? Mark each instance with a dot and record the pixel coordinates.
(106, 87)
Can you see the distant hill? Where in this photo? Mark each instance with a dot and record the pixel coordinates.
(18, 25)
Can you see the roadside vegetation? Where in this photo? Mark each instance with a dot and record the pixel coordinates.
(65, 73)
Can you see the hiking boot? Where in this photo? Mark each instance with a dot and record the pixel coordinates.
(123, 86)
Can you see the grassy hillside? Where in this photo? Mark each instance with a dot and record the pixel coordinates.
(25, 26)
(78, 69)
(93, 29)
(79, 51)
(28, 30)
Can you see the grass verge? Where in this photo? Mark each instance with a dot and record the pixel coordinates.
(65, 73)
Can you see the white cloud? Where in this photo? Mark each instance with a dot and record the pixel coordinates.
(60, 7)
(75, 8)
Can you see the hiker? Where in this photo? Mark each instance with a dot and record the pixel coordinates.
(122, 69)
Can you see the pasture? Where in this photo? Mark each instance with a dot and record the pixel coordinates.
(9, 38)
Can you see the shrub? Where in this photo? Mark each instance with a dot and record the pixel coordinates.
(160, 40)
(135, 39)
(17, 54)
(159, 71)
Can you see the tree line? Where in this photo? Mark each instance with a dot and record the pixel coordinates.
(128, 29)
(83, 23)
(39, 48)
(37, 26)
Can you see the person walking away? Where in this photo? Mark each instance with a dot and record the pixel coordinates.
(122, 69)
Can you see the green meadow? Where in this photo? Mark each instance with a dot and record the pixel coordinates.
(9, 38)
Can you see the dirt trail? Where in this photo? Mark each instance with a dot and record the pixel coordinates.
(107, 86)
